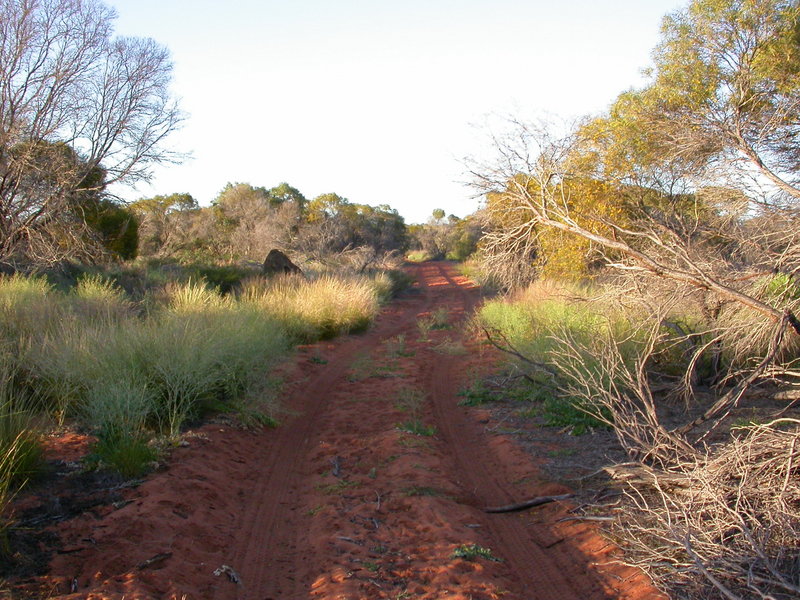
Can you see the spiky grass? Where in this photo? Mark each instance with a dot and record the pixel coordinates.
(20, 449)
(129, 375)
(320, 308)
(97, 298)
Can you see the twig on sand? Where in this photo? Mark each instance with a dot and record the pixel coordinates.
(336, 461)
(587, 518)
(232, 575)
(158, 558)
(538, 501)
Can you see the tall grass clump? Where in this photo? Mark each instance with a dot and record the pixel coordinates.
(98, 298)
(534, 320)
(199, 360)
(194, 296)
(117, 410)
(29, 308)
(66, 361)
(131, 375)
(318, 308)
(20, 449)
(19, 437)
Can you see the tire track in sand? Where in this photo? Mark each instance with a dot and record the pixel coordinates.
(264, 539)
(545, 573)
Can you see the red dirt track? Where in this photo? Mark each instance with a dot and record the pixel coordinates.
(338, 502)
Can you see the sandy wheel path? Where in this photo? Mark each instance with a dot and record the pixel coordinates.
(341, 501)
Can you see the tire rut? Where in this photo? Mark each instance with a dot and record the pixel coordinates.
(541, 574)
(266, 544)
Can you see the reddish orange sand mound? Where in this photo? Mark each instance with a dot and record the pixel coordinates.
(341, 501)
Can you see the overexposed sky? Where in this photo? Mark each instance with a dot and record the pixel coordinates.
(377, 100)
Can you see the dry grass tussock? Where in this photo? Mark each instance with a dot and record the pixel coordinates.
(320, 307)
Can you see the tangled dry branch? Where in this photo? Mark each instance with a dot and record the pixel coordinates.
(728, 521)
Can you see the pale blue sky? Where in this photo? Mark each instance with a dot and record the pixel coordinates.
(377, 100)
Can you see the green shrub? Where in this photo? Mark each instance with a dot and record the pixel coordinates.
(400, 280)
(780, 287)
(571, 414)
(128, 455)
(418, 256)
(542, 322)
(476, 395)
(224, 278)
(537, 321)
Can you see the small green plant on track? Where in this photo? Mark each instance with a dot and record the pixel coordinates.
(396, 347)
(424, 326)
(317, 359)
(450, 347)
(363, 367)
(414, 442)
(438, 319)
(371, 566)
(412, 401)
(338, 487)
(473, 552)
(421, 490)
(417, 428)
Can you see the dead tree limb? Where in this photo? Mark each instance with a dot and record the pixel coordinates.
(538, 501)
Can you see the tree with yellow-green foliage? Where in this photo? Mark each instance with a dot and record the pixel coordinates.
(723, 104)
(668, 181)
(555, 176)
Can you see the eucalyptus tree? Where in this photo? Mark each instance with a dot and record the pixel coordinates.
(687, 188)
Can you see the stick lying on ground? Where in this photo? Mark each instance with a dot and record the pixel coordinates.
(538, 501)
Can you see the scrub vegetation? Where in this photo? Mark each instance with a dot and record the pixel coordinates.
(651, 259)
(133, 373)
(648, 259)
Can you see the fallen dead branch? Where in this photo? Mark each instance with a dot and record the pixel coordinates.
(538, 501)
(155, 560)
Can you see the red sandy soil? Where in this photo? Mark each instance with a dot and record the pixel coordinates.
(338, 502)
